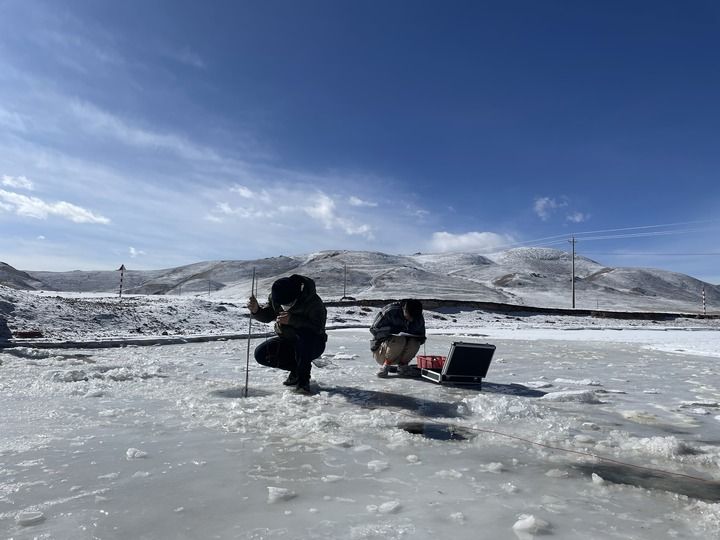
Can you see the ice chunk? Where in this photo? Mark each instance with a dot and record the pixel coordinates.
(530, 525)
(345, 356)
(458, 517)
(134, 453)
(577, 396)
(493, 467)
(579, 382)
(72, 375)
(390, 507)
(278, 494)
(331, 478)
(703, 404)
(29, 517)
(538, 384)
(597, 479)
(452, 473)
(377, 465)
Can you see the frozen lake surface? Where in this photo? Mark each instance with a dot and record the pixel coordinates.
(159, 442)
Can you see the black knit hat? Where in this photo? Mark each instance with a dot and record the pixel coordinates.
(285, 290)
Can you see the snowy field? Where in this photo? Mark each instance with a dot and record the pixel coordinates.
(159, 442)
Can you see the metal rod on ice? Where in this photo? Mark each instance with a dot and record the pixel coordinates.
(247, 359)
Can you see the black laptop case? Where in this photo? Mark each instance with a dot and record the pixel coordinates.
(467, 363)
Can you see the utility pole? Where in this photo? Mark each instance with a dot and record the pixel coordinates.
(572, 241)
(345, 284)
(704, 306)
(122, 274)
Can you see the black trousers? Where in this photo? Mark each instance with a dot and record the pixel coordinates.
(294, 355)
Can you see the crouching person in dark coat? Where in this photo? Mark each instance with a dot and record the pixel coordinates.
(398, 331)
(299, 316)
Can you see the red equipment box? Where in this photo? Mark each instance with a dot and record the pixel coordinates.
(431, 362)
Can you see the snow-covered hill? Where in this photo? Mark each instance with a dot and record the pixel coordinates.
(538, 277)
(16, 279)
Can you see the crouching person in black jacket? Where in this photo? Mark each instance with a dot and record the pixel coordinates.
(299, 316)
(398, 331)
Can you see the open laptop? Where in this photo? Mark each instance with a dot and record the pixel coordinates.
(467, 363)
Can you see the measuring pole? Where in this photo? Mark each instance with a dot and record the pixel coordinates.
(345, 284)
(247, 359)
(704, 306)
(122, 274)
(572, 241)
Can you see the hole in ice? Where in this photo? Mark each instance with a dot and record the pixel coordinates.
(707, 490)
(438, 431)
(239, 392)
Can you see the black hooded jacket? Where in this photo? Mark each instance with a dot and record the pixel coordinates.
(307, 313)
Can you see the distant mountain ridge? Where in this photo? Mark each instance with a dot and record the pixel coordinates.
(538, 277)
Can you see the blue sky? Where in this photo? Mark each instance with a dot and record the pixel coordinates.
(159, 133)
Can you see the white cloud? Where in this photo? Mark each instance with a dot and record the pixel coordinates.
(135, 252)
(578, 217)
(243, 191)
(248, 193)
(12, 120)
(471, 241)
(36, 208)
(356, 201)
(545, 206)
(97, 121)
(323, 210)
(226, 210)
(40, 237)
(17, 182)
(320, 207)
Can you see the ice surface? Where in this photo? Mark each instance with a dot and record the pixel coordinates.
(159, 442)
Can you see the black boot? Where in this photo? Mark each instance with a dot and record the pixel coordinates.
(303, 387)
(291, 380)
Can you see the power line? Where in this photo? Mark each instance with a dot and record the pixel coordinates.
(561, 239)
